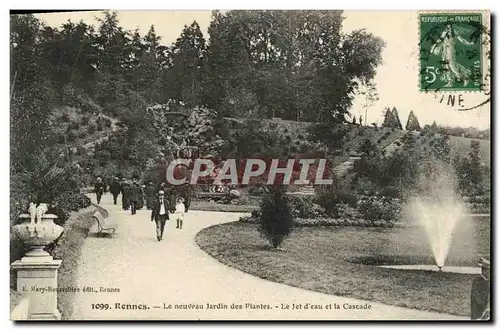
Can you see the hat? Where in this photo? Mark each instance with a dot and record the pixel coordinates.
(161, 192)
(484, 263)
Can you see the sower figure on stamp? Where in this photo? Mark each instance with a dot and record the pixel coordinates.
(115, 189)
(99, 189)
(159, 213)
(480, 293)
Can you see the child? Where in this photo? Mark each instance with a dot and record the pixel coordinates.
(180, 209)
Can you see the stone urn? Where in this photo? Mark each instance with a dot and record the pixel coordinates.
(38, 234)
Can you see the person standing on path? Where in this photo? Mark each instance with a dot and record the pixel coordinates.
(134, 196)
(125, 195)
(480, 293)
(159, 214)
(179, 212)
(150, 195)
(115, 189)
(99, 189)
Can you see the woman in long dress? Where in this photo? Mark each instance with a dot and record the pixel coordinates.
(445, 47)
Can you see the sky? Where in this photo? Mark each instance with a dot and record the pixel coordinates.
(397, 79)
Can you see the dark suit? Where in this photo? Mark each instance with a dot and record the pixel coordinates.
(480, 299)
(125, 196)
(114, 189)
(135, 192)
(160, 219)
(99, 190)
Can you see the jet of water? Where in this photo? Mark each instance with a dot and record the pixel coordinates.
(439, 216)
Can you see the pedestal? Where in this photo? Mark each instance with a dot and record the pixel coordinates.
(37, 278)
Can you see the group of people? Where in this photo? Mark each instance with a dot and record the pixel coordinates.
(159, 199)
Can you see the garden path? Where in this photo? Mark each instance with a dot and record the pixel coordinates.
(177, 271)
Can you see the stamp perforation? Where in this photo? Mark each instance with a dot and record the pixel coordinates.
(484, 62)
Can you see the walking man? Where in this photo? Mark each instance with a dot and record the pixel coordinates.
(159, 214)
(114, 189)
(480, 293)
(134, 196)
(99, 189)
(125, 187)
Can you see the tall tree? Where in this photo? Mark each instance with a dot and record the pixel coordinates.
(397, 121)
(412, 124)
(187, 71)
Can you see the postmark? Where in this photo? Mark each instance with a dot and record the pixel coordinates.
(451, 52)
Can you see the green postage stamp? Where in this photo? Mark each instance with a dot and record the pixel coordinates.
(451, 56)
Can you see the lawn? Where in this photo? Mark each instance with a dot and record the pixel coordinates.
(340, 261)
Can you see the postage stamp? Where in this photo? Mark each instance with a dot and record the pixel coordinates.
(451, 51)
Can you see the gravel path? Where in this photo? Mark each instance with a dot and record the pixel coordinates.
(176, 271)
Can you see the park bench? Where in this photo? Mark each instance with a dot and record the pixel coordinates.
(102, 224)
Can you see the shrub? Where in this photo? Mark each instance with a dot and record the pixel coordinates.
(276, 221)
(304, 207)
(65, 117)
(374, 208)
(68, 202)
(92, 128)
(74, 125)
(85, 120)
(71, 136)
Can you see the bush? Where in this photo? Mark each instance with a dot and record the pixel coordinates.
(68, 202)
(65, 117)
(329, 201)
(374, 208)
(276, 221)
(85, 120)
(304, 207)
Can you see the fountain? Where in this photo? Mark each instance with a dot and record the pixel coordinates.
(437, 210)
(439, 217)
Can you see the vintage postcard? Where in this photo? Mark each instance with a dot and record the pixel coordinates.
(250, 165)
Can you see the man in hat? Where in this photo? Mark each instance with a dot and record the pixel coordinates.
(99, 189)
(114, 189)
(480, 293)
(159, 213)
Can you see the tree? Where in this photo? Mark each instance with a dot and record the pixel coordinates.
(389, 119)
(289, 60)
(434, 127)
(187, 71)
(412, 124)
(276, 221)
(397, 121)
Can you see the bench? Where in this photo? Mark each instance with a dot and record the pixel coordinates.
(101, 222)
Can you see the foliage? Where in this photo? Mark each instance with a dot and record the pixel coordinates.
(412, 124)
(391, 119)
(304, 207)
(276, 221)
(379, 208)
(66, 203)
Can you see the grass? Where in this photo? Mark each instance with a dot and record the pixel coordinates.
(339, 261)
(69, 250)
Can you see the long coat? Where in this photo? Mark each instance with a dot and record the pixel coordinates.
(115, 188)
(135, 192)
(156, 207)
(480, 297)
